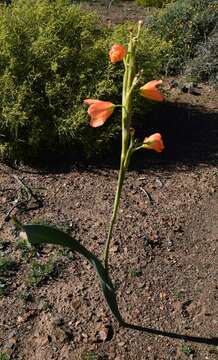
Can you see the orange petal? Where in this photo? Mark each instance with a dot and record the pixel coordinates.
(154, 142)
(152, 84)
(150, 91)
(90, 101)
(99, 111)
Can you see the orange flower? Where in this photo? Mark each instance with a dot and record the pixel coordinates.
(150, 91)
(154, 142)
(117, 53)
(99, 111)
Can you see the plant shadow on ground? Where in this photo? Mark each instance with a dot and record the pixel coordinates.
(190, 136)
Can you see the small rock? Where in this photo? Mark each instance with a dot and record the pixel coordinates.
(105, 333)
(114, 249)
(12, 334)
(76, 304)
(10, 344)
(26, 316)
(163, 296)
(158, 183)
(177, 306)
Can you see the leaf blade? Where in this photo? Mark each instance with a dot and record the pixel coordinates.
(42, 234)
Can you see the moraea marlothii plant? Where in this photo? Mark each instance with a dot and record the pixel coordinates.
(100, 111)
(129, 145)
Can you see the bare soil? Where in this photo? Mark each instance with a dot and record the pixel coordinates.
(164, 261)
(163, 258)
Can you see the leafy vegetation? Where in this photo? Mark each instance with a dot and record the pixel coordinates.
(39, 273)
(7, 268)
(6, 265)
(89, 356)
(185, 23)
(4, 356)
(204, 66)
(187, 350)
(153, 3)
(53, 56)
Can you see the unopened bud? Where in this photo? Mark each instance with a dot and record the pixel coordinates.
(23, 235)
(140, 22)
(132, 131)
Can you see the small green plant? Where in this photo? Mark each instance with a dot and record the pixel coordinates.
(67, 253)
(3, 245)
(7, 269)
(180, 295)
(24, 247)
(187, 350)
(4, 356)
(39, 273)
(6, 265)
(89, 356)
(3, 287)
(135, 273)
(26, 296)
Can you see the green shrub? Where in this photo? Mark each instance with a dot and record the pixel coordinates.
(204, 67)
(153, 3)
(185, 23)
(53, 55)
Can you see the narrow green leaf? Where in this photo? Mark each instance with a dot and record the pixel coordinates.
(41, 234)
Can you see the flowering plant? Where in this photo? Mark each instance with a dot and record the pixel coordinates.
(100, 111)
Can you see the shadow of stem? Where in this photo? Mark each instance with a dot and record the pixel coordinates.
(196, 339)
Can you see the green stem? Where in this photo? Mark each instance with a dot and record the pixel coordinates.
(127, 143)
(125, 137)
(115, 210)
(124, 163)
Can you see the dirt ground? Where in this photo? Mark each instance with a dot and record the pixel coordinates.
(117, 12)
(163, 257)
(163, 264)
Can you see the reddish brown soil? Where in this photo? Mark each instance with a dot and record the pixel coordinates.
(117, 12)
(163, 257)
(164, 264)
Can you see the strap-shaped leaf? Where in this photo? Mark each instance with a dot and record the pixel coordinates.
(41, 234)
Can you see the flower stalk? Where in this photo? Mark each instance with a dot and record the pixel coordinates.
(100, 111)
(129, 82)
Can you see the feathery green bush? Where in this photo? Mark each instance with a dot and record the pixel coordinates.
(204, 66)
(153, 3)
(185, 23)
(53, 56)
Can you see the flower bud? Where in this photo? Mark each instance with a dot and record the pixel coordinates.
(117, 53)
